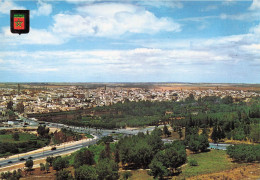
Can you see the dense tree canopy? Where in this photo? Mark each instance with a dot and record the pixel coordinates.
(60, 163)
(82, 157)
(85, 172)
(244, 152)
(107, 170)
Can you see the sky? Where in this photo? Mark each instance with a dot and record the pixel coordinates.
(132, 41)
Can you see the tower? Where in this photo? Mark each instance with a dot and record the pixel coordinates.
(19, 88)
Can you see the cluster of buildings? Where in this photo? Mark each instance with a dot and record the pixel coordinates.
(75, 98)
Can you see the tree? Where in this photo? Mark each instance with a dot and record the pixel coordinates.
(166, 132)
(42, 167)
(43, 131)
(83, 157)
(47, 167)
(6, 175)
(29, 164)
(63, 175)
(157, 132)
(254, 111)
(126, 175)
(60, 163)
(15, 175)
(205, 131)
(172, 157)
(193, 143)
(175, 155)
(50, 160)
(10, 105)
(20, 107)
(204, 143)
(214, 135)
(217, 133)
(143, 154)
(255, 132)
(193, 162)
(155, 141)
(117, 157)
(180, 132)
(85, 172)
(244, 152)
(157, 169)
(16, 136)
(107, 169)
(103, 155)
(106, 139)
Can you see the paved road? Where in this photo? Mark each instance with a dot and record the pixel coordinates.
(39, 155)
(98, 132)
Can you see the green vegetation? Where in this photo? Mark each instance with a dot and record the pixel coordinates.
(89, 136)
(222, 117)
(23, 137)
(86, 172)
(208, 162)
(10, 145)
(60, 163)
(15, 175)
(65, 135)
(237, 121)
(244, 152)
(13, 142)
(101, 161)
(43, 131)
(231, 121)
(87, 164)
(193, 162)
(82, 157)
(168, 161)
(126, 175)
(63, 175)
(142, 151)
(29, 164)
(16, 136)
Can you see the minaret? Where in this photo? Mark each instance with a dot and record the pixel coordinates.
(19, 88)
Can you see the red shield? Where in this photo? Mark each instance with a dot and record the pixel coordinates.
(19, 21)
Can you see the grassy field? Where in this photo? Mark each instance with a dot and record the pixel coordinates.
(209, 162)
(23, 137)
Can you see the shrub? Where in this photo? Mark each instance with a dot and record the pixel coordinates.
(127, 175)
(193, 162)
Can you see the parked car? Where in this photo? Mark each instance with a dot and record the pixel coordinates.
(10, 162)
(53, 148)
(22, 159)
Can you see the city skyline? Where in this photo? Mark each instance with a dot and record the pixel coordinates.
(134, 41)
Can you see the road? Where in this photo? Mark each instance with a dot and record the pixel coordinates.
(69, 148)
(44, 154)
